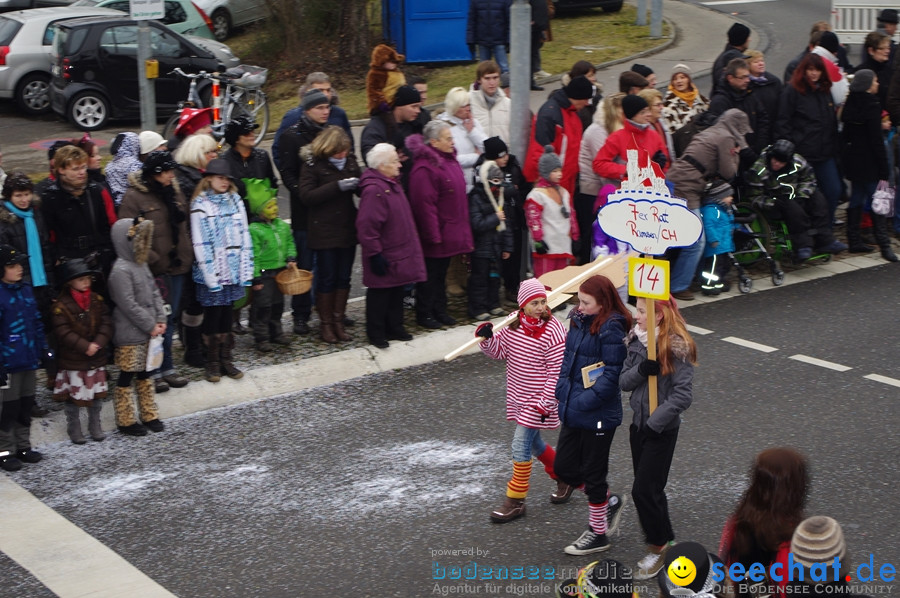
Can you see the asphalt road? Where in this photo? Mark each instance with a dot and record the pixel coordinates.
(363, 488)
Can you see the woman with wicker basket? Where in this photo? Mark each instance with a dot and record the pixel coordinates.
(328, 181)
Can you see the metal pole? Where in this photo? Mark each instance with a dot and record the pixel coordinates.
(641, 13)
(656, 15)
(519, 77)
(146, 86)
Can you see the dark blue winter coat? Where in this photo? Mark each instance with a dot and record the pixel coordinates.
(599, 406)
(488, 23)
(22, 342)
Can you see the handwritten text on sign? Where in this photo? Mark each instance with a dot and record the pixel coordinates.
(650, 226)
(648, 278)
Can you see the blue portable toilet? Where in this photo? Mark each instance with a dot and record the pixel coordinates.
(427, 30)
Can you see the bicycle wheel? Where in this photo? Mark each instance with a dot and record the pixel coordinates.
(169, 129)
(252, 103)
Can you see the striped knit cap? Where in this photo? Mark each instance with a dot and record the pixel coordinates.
(818, 540)
(529, 290)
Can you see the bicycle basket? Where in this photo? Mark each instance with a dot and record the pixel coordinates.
(250, 77)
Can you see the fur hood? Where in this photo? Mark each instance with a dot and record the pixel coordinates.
(384, 53)
(306, 155)
(420, 149)
(7, 217)
(136, 180)
(132, 241)
(679, 346)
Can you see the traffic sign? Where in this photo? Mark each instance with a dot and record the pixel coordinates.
(147, 9)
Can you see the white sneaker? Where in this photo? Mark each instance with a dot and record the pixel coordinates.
(649, 566)
(542, 74)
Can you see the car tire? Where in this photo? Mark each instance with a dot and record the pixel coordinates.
(88, 111)
(33, 94)
(613, 7)
(221, 24)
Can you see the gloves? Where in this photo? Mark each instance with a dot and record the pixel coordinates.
(540, 247)
(348, 184)
(660, 158)
(649, 367)
(378, 265)
(485, 330)
(47, 357)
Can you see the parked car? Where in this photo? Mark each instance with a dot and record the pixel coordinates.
(182, 16)
(25, 43)
(226, 15)
(94, 70)
(606, 5)
(7, 5)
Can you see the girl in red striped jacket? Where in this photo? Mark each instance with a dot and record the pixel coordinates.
(533, 347)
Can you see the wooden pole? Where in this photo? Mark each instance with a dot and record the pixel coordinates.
(651, 350)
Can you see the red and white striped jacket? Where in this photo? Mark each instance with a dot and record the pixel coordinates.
(532, 368)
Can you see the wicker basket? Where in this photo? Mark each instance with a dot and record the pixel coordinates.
(292, 281)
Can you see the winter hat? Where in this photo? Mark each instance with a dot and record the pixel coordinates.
(494, 148)
(633, 104)
(456, 98)
(681, 68)
(150, 140)
(888, 15)
(259, 193)
(243, 125)
(642, 69)
(74, 268)
(718, 192)
(830, 42)
(313, 98)
(738, 34)
(782, 150)
(579, 88)
(10, 256)
(529, 290)
(862, 80)
(218, 166)
(548, 162)
(701, 563)
(406, 95)
(51, 151)
(158, 162)
(818, 540)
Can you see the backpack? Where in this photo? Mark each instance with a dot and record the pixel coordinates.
(683, 136)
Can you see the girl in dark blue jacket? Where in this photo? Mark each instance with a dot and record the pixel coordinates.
(590, 414)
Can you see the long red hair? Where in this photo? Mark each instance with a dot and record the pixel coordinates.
(671, 322)
(801, 83)
(607, 297)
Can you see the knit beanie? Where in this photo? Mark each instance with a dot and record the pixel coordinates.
(156, 163)
(830, 42)
(633, 104)
(642, 69)
(456, 98)
(548, 162)
(862, 80)
(314, 97)
(818, 540)
(406, 95)
(150, 140)
(718, 192)
(738, 34)
(494, 148)
(681, 68)
(259, 192)
(529, 290)
(888, 15)
(579, 88)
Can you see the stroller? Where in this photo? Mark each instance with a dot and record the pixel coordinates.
(751, 234)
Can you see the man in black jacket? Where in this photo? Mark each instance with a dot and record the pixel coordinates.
(738, 41)
(735, 92)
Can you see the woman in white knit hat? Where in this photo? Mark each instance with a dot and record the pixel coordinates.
(683, 100)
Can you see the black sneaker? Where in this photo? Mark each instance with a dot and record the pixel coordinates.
(429, 323)
(29, 456)
(155, 425)
(446, 319)
(301, 327)
(10, 464)
(133, 430)
(615, 504)
(588, 543)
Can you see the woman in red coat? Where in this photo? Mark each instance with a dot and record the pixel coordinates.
(611, 160)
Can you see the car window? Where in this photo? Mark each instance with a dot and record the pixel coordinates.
(8, 30)
(123, 6)
(174, 13)
(121, 40)
(164, 45)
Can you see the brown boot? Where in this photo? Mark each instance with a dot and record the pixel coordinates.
(213, 373)
(563, 493)
(226, 356)
(340, 308)
(325, 307)
(512, 508)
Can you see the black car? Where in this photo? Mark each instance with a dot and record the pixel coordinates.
(95, 72)
(606, 5)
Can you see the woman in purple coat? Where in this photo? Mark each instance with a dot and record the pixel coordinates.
(392, 255)
(441, 209)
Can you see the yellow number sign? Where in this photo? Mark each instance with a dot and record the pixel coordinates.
(648, 278)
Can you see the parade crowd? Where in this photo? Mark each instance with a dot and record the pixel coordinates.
(102, 267)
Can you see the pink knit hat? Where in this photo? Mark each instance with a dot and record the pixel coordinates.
(529, 290)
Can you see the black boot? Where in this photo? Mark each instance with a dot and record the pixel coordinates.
(212, 357)
(883, 237)
(226, 351)
(854, 236)
(193, 346)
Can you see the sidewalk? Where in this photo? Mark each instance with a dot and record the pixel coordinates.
(309, 362)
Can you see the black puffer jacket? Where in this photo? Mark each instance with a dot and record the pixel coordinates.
(488, 23)
(768, 94)
(810, 121)
(489, 242)
(748, 102)
(292, 141)
(188, 178)
(79, 224)
(12, 232)
(863, 155)
(256, 166)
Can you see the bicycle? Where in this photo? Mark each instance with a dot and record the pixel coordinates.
(242, 97)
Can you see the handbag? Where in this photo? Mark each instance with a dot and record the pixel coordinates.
(154, 353)
(883, 199)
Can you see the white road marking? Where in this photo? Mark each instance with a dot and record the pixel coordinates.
(749, 344)
(820, 362)
(63, 557)
(883, 379)
(724, 2)
(698, 330)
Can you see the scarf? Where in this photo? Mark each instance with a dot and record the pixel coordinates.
(82, 298)
(639, 126)
(760, 79)
(641, 334)
(33, 240)
(533, 327)
(338, 163)
(687, 96)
